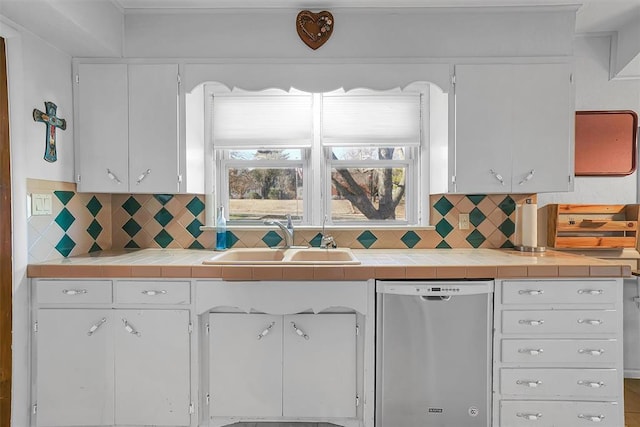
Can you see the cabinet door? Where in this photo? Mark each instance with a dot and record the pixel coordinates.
(543, 122)
(245, 365)
(152, 367)
(319, 375)
(102, 128)
(74, 377)
(484, 108)
(153, 128)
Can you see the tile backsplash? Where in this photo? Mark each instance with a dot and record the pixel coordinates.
(82, 223)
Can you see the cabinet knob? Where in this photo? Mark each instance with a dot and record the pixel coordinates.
(497, 176)
(591, 351)
(112, 176)
(531, 351)
(592, 418)
(531, 292)
(530, 417)
(529, 383)
(590, 291)
(299, 331)
(592, 384)
(266, 331)
(96, 326)
(152, 292)
(531, 322)
(74, 291)
(594, 322)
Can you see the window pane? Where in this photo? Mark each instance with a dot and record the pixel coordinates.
(288, 154)
(363, 194)
(368, 153)
(259, 193)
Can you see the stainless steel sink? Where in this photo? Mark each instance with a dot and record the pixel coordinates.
(278, 256)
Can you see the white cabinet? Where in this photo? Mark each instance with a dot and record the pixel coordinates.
(127, 128)
(100, 365)
(631, 327)
(292, 366)
(513, 128)
(558, 352)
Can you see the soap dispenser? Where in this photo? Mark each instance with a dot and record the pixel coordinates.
(221, 230)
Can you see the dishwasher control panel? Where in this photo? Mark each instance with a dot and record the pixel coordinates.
(435, 288)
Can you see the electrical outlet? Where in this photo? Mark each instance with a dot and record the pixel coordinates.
(463, 221)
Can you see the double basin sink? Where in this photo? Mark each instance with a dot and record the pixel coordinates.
(288, 256)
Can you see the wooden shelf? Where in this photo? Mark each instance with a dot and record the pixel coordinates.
(592, 226)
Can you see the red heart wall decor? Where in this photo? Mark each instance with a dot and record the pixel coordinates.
(314, 29)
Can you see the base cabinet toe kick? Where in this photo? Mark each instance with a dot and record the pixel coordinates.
(207, 352)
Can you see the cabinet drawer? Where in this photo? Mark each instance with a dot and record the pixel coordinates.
(514, 413)
(553, 383)
(570, 351)
(73, 291)
(559, 321)
(559, 292)
(153, 292)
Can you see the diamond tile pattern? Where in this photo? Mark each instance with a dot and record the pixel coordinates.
(195, 206)
(476, 217)
(367, 239)
(443, 206)
(163, 238)
(94, 206)
(271, 239)
(194, 228)
(94, 229)
(95, 248)
(508, 227)
(443, 227)
(131, 227)
(65, 219)
(475, 238)
(410, 238)
(316, 241)
(232, 239)
(508, 205)
(64, 196)
(65, 245)
(476, 198)
(131, 206)
(163, 198)
(163, 217)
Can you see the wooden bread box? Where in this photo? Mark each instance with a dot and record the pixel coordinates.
(601, 231)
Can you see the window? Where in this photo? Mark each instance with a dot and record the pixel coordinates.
(350, 157)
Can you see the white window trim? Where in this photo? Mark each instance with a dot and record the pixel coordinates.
(317, 175)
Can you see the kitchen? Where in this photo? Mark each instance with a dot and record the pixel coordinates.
(106, 32)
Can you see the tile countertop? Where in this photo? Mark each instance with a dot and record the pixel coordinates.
(375, 263)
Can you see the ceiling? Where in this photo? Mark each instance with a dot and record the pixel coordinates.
(592, 16)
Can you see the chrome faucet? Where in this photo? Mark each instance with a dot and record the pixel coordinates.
(327, 241)
(287, 230)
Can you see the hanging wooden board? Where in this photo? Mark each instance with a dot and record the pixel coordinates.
(606, 143)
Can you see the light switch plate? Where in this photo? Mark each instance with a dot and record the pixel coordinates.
(41, 204)
(463, 221)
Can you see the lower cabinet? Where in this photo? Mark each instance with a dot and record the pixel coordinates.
(104, 367)
(558, 353)
(293, 366)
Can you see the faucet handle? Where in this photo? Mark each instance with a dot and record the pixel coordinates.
(327, 242)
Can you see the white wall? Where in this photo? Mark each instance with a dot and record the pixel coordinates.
(594, 91)
(37, 72)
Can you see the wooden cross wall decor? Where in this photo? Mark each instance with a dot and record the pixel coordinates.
(314, 29)
(52, 122)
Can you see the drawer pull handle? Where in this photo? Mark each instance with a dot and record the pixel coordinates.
(142, 176)
(266, 331)
(299, 331)
(74, 291)
(531, 351)
(591, 351)
(591, 291)
(96, 326)
(531, 322)
(497, 176)
(591, 384)
(530, 417)
(531, 292)
(129, 328)
(594, 322)
(153, 293)
(592, 418)
(529, 383)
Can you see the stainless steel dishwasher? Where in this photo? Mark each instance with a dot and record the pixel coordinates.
(433, 353)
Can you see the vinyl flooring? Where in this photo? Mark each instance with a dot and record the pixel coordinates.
(632, 402)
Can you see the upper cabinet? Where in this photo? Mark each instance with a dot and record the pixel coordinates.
(127, 128)
(513, 128)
